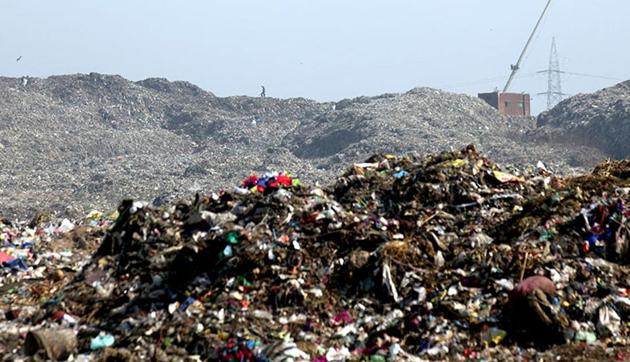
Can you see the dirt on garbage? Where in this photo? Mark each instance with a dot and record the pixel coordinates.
(401, 258)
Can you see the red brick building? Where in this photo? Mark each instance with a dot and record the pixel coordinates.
(513, 104)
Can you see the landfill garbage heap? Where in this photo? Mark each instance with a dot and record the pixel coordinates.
(598, 119)
(401, 258)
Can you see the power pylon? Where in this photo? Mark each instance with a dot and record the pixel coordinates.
(554, 82)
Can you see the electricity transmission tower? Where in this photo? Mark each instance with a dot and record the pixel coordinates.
(554, 82)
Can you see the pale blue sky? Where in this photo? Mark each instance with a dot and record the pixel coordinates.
(319, 49)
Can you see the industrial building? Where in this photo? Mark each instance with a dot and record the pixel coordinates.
(513, 104)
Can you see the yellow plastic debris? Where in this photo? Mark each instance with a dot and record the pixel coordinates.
(457, 163)
(506, 177)
(94, 215)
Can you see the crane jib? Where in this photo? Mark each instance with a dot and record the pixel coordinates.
(515, 67)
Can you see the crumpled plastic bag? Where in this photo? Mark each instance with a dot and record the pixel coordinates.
(608, 322)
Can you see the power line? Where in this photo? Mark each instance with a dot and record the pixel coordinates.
(583, 75)
(485, 80)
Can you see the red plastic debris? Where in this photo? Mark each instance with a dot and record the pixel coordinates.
(4, 257)
(57, 315)
(470, 353)
(342, 318)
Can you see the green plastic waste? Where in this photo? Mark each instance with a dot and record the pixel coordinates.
(244, 282)
(585, 336)
(232, 237)
(377, 358)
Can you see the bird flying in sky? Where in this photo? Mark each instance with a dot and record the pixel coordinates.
(19, 58)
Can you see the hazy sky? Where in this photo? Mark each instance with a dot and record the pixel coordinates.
(319, 49)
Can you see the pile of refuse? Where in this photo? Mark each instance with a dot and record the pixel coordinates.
(598, 120)
(401, 258)
(79, 142)
(37, 259)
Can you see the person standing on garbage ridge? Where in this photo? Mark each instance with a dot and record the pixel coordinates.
(263, 93)
(533, 317)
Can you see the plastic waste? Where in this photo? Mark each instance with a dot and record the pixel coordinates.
(400, 174)
(495, 336)
(101, 341)
(373, 266)
(608, 321)
(585, 336)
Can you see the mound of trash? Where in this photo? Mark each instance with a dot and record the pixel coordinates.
(425, 120)
(600, 120)
(402, 258)
(74, 143)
